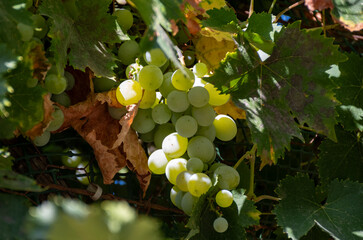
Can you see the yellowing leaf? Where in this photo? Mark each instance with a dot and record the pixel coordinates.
(207, 5)
(232, 110)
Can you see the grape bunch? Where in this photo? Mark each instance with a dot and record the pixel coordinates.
(176, 115)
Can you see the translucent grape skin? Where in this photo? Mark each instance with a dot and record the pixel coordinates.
(200, 69)
(143, 121)
(204, 115)
(155, 57)
(173, 192)
(58, 119)
(200, 147)
(157, 162)
(129, 92)
(226, 128)
(166, 87)
(161, 132)
(195, 165)
(161, 113)
(174, 167)
(198, 96)
(42, 140)
(182, 81)
(187, 203)
(189, 58)
(186, 126)
(104, 84)
(174, 145)
(124, 18)
(128, 51)
(177, 101)
(26, 31)
(220, 225)
(228, 177)
(182, 180)
(150, 77)
(40, 25)
(55, 84)
(116, 113)
(63, 99)
(148, 99)
(208, 132)
(198, 184)
(74, 160)
(224, 198)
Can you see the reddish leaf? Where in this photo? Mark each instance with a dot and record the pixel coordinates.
(319, 4)
(40, 63)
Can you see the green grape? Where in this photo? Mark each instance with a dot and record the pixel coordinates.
(128, 92)
(173, 192)
(176, 115)
(143, 121)
(147, 137)
(198, 96)
(208, 132)
(128, 51)
(204, 115)
(42, 140)
(70, 80)
(165, 66)
(182, 81)
(155, 57)
(186, 126)
(157, 162)
(174, 145)
(26, 31)
(161, 113)
(215, 166)
(177, 101)
(200, 69)
(220, 225)
(178, 198)
(228, 177)
(188, 202)
(83, 169)
(167, 86)
(150, 77)
(161, 132)
(74, 160)
(31, 82)
(41, 28)
(189, 58)
(195, 165)
(148, 99)
(58, 119)
(132, 70)
(225, 126)
(117, 113)
(216, 98)
(224, 198)
(174, 167)
(198, 184)
(55, 84)
(63, 99)
(200, 147)
(182, 180)
(124, 19)
(104, 84)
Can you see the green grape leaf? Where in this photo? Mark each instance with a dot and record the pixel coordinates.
(349, 82)
(291, 83)
(12, 215)
(343, 159)
(299, 210)
(222, 19)
(247, 213)
(83, 32)
(350, 13)
(15, 181)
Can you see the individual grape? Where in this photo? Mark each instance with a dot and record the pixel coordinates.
(132, 70)
(186, 126)
(224, 198)
(198, 184)
(174, 167)
(176, 115)
(63, 99)
(128, 92)
(128, 51)
(42, 140)
(189, 58)
(204, 115)
(55, 84)
(155, 57)
(167, 86)
(74, 160)
(225, 126)
(143, 121)
(83, 169)
(161, 132)
(200, 147)
(198, 96)
(215, 166)
(182, 180)
(220, 225)
(147, 137)
(26, 31)
(148, 99)
(208, 132)
(104, 84)
(124, 19)
(182, 81)
(150, 77)
(41, 28)
(195, 165)
(187, 203)
(157, 162)
(178, 101)
(228, 177)
(173, 192)
(216, 98)
(174, 145)
(57, 121)
(31, 82)
(117, 113)
(178, 199)
(70, 80)
(161, 113)
(200, 69)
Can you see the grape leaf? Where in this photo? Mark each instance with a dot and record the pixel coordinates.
(349, 84)
(299, 210)
(15, 181)
(247, 214)
(343, 159)
(291, 83)
(84, 33)
(223, 19)
(349, 14)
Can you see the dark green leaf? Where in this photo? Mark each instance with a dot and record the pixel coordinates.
(299, 210)
(349, 12)
(223, 19)
(247, 214)
(15, 181)
(6, 160)
(342, 160)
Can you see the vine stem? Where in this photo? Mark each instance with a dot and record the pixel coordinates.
(272, 6)
(251, 193)
(263, 197)
(246, 155)
(287, 9)
(324, 29)
(252, 5)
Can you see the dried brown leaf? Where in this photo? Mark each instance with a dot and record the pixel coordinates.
(318, 4)
(40, 63)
